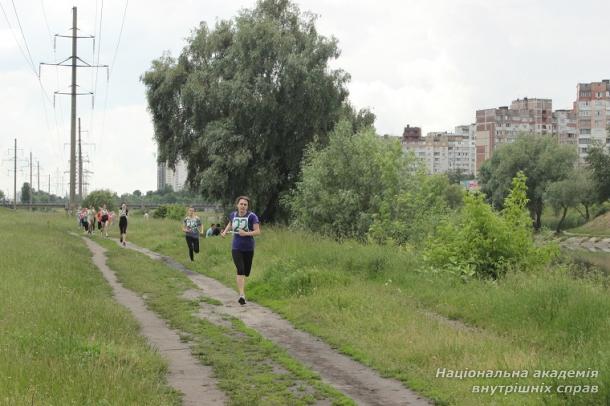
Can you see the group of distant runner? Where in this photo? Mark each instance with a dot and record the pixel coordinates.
(243, 224)
(88, 217)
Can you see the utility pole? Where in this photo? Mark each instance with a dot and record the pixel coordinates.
(15, 179)
(14, 159)
(49, 186)
(73, 116)
(38, 174)
(73, 94)
(31, 188)
(80, 165)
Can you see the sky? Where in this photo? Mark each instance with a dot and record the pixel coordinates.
(426, 63)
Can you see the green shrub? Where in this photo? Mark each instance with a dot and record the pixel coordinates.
(415, 212)
(342, 184)
(160, 212)
(482, 243)
(170, 211)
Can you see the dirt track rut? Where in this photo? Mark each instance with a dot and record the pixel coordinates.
(357, 381)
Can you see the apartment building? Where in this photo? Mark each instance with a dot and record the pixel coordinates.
(564, 127)
(504, 124)
(443, 151)
(176, 178)
(592, 111)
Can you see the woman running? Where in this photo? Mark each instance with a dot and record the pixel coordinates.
(191, 227)
(98, 218)
(91, 219)
(244, 225)
(123, 214)
(104, 219)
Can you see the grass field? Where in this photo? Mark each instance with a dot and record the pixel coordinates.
(378, 305)
(63, 339)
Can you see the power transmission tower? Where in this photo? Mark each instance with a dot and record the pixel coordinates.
(31, 188)
(38, 175)
(14, 159)
(74, 58)
(81, 169)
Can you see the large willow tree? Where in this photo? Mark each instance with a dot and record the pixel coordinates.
(243, 100)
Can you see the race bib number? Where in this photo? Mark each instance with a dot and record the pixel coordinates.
(240, 223)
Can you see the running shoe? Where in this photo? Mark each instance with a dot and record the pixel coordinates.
(242, 300)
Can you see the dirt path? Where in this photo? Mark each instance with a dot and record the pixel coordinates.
(357, 381)
(590, 243)
(185, 374)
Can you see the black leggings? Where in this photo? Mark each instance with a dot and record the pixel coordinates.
(193, 243)
(243, 261)
(123, 225)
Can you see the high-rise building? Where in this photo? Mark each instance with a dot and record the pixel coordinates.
(564, 127)
(176, 178)
(443, 151)
(592, 110)
(503, 125)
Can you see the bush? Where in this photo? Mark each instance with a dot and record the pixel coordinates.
(482, 243)
(160, 212)
(343, 184)
(411, 216)
(170, 211)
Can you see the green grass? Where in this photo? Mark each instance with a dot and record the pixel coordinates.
(374, 303)
(249, 368)
(377, 305)
(63, 339)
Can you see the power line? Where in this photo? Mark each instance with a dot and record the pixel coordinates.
(29, 60)
(99, 45)
(46, 21)
(116, 50)
(15, 38)
(23, 35)
(112, 67)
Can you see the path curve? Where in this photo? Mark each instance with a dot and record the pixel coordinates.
(357, 381)
(185, 373)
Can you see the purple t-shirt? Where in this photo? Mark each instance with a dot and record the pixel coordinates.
(245, 223)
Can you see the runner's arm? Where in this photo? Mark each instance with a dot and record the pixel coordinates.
(226, 230)
(256, 231)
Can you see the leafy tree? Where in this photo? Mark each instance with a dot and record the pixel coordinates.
(343, 184)
(458, 175)
(97, 198)
(598, 159)
(137, 193)
(244, 99)
(413, 213)
(2, 196)
(578, 189)
(26, 192)
(541, 159)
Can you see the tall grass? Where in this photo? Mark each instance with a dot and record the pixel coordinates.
(63, 339)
